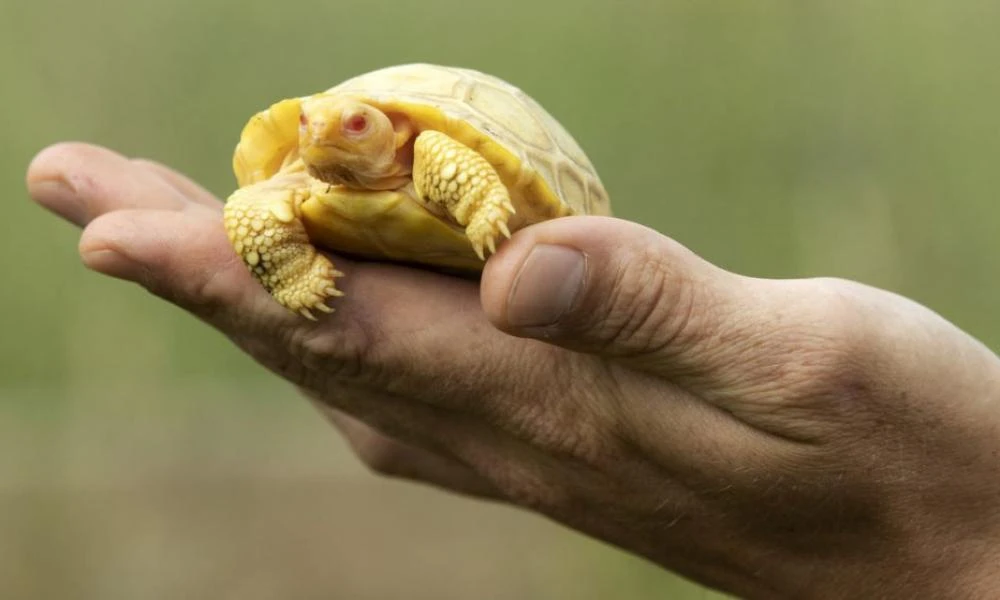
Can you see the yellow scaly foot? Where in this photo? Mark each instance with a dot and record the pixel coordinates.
(456, 177)
(263, 225)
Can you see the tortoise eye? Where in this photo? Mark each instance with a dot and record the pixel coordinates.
(356, 124)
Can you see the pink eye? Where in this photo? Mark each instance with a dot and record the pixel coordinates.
(356, 124)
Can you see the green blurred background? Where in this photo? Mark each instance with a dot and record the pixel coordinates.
(141, 456)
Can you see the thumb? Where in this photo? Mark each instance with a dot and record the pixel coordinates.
(606, 286)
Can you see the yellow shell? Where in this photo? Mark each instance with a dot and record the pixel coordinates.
(546, 172)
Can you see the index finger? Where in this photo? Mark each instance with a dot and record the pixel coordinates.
(80, 182)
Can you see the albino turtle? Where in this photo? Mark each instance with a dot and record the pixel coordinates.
(417, 163)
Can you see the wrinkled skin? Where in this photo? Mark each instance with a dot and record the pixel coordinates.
(776, 439)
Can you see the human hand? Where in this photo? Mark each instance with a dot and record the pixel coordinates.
(796, 439)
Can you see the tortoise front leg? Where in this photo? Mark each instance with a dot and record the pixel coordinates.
(461, 181)
(263, 223)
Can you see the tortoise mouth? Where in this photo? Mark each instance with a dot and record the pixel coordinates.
(336, 171)
(334, 174)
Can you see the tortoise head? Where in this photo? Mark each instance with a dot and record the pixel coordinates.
(347, 141)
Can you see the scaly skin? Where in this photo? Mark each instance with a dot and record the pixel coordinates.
(264, 225)
(456, 177)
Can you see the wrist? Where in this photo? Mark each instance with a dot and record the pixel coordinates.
(970, 569)
(928, 566)
(897, 566)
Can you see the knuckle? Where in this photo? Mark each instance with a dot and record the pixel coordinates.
(523, 485)
(319, 359)
(343, 352)
(842, 328)
(213, 292)
(381, 455)
(651, 306)
(832, 358)
(805, 370)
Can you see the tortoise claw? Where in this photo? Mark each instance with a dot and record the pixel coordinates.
(486, 227)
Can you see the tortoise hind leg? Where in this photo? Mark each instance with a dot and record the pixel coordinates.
(456, 177)
(263, 224)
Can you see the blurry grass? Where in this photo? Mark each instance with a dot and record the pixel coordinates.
(213, 491)
(778, 139)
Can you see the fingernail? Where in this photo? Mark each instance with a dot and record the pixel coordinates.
(59, 196)
(546, 286)
(108, 262)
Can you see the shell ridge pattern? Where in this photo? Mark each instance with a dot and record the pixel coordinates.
(500, 112)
